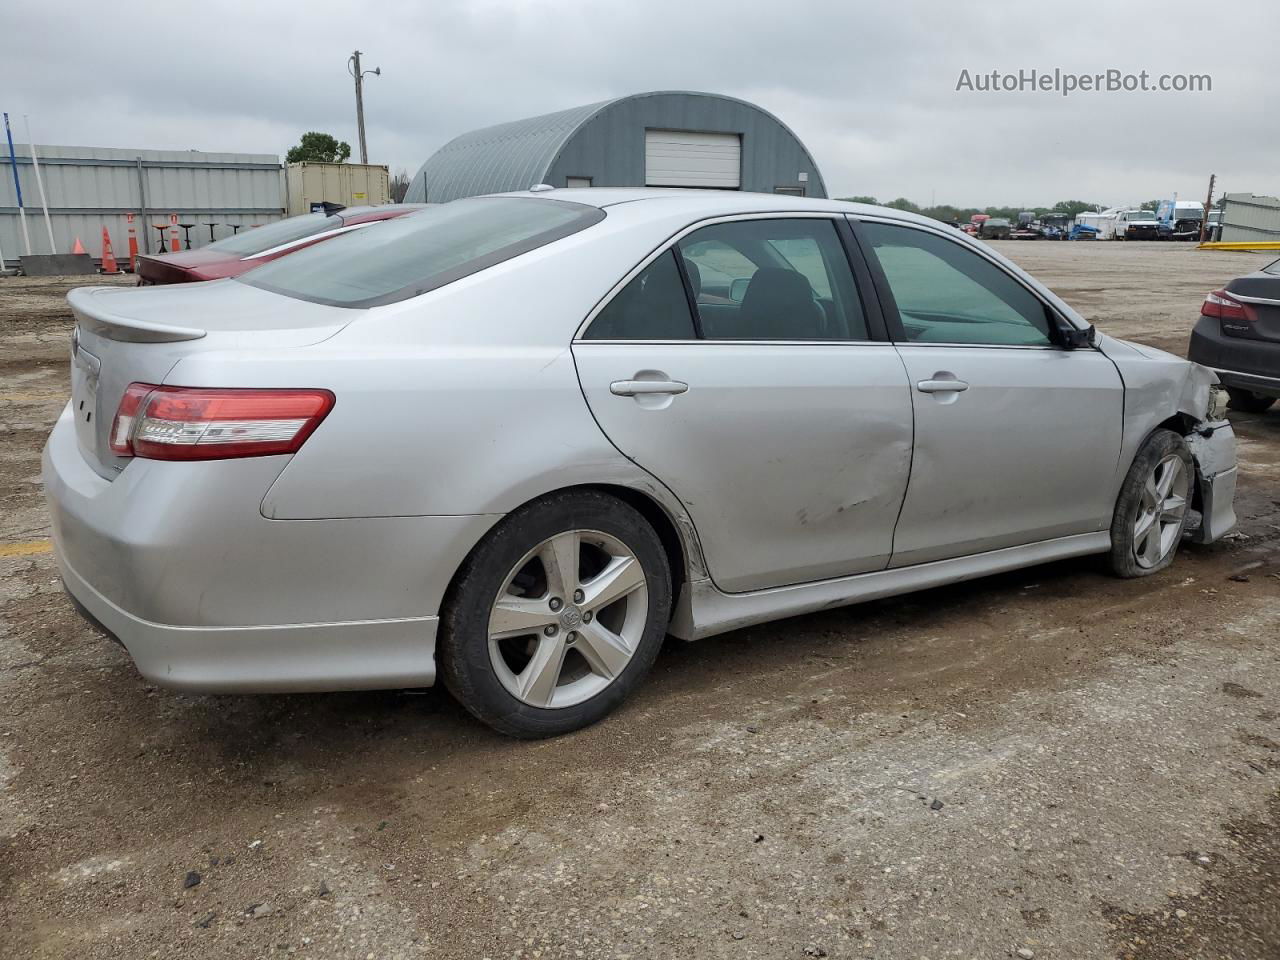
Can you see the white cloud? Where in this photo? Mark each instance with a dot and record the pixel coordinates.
(871, 89)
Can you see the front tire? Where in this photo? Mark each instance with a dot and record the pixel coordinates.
(1246, 401)
(557, 615)
(1153, 507)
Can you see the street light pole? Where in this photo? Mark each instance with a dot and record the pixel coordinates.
(353, 67)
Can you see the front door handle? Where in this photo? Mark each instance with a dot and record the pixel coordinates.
(639, 388)
(942, 385)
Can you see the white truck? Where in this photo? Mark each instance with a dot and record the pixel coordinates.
(1122, 224)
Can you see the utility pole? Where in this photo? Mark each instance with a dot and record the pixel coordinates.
(1208, 202)
(353, 67)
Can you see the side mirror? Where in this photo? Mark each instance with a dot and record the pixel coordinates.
(1073, 338)
(738, 289)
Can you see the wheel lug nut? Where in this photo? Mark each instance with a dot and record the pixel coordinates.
(570, 637)
(578, 596)
(556, 603)
(586, 617)
(549, 630)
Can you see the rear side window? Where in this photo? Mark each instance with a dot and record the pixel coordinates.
(410, 255)
(948, 294)
(653, 306)
(767, 279)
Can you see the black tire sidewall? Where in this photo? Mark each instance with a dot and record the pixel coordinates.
(464, 658)
(1159, 445)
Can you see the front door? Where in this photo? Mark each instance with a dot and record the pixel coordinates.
(768, 409)
(1016, 439)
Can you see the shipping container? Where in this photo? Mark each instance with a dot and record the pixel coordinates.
(349, 184)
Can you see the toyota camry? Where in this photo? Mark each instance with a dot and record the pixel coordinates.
(515, 441)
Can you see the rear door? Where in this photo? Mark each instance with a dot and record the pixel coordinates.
(740, 368)
(1016, 439)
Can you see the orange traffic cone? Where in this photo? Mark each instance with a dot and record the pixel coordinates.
(109, 264)
(79, 247)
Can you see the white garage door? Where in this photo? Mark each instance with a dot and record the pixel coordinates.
(673, 158)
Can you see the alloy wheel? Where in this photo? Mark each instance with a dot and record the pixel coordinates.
(568, 619)
(1161, 511)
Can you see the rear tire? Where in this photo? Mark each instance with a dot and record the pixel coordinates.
(535, 648)
(1153, 507)
(1246, 401)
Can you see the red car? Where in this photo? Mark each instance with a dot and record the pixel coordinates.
(232, 256)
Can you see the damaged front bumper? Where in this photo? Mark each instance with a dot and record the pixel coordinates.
(1213, 447)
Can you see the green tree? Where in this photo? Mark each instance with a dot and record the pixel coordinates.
(1073, 208)
(871, 200)
(319, 147)
(902, 203)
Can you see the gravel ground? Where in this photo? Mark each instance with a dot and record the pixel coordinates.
(1049, 763)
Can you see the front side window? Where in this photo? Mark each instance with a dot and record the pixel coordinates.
(785, 279)
(410, 255)
(946, 293)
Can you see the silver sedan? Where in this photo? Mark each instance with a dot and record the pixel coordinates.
(521, 439)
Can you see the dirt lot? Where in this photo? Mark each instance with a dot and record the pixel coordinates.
(1048, 763)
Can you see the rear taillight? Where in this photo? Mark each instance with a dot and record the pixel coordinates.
(1222, 306)
(197, 423)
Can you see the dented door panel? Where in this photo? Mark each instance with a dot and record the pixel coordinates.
(790, 458)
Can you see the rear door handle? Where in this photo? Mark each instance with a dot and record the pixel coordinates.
(942, 386)
(638, 388)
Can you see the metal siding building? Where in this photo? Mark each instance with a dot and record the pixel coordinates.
(92, 187)
(612, 144)
(1248, 218)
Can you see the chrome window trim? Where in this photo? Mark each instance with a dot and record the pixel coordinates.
(833, 216)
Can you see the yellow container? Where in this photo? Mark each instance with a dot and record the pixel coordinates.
(350, 184)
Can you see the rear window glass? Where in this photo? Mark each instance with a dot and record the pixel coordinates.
(248, 242)
(410, 255)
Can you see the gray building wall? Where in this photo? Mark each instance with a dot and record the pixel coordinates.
(609, 147)
(605, 141)
(1248, 218)
(92, 187)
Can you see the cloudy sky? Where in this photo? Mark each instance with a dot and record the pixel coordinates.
(870, 87)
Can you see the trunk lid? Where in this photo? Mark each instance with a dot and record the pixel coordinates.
(1260, 294)
(125, 335)
(183, 267)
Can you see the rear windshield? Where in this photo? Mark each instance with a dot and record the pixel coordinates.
(410, 255)
(249, 242)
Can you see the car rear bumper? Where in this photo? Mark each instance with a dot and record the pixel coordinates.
(1238, 361)
(178, 563)
(350, 655)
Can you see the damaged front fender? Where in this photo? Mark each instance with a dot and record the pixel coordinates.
(1213, 447)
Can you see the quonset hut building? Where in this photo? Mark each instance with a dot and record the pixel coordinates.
(669, 139)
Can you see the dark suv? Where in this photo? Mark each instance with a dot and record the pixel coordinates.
(1238, 335)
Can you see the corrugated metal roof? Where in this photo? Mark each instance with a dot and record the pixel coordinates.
(469, 165)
